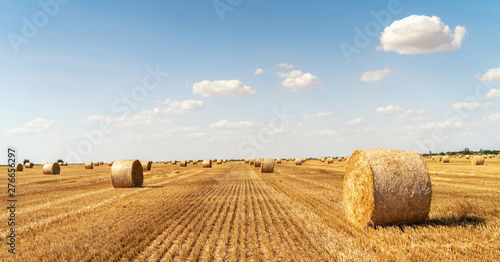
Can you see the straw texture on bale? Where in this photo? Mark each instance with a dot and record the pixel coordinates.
(329, 160)
(258, 162)
(89, 165)
(267, 165)
(183, 163)
(322, 159)
(383, 186)
(19, 167)
(29, 165)
(298, 161)
(446, 159)
(127, 173)
(477, 160)
(207, 163)
(146, 165)
(252, 162)
(278, 160)
(51, 169)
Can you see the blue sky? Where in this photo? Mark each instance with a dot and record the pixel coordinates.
(242, 79)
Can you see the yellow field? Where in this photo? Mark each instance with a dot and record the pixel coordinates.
(233, 212)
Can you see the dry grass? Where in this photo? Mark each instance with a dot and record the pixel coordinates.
(232, 212)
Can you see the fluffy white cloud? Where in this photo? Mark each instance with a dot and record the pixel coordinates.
(471, 106)
(321, 114)
(403, 115)
(491, 75)
(176, 107)
(440, 126)
(230, 125)
(492, 118)
(493, 93)
(377, 75)
(420, 34)
(285, 65)
(297, 79)
(258, 71)
(354, 122)
(37, 126)
(222, 88)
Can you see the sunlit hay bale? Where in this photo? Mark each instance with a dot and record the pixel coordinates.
(278, 160)
(44, 163)
(183, 163)
(322, 159)
(101, 163)
(340, 159)
(247, 161)
(127, 173)
(174, 162)
(195, 161)
(146, 165)
(51, 169)
(329, 160)
(19, 167)
(288, 160)
(207, 163)
(298, 161)
(29, 165)
(89, 165)
(219, 161)
(110, 163)
(383, 186)
(65, 163)
(438, 158)
(267, 165)
(96, 163)
(224, 161)
(467, 157)
(258, 162)
(477, 160)
(252, 162)
(446, 159)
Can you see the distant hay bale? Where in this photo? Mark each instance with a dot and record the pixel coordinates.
(329, 160)
(298, 161)
(101, 163)
(207, 163)
(127, 173)
(246, 161)
(258, 162)
(340, 159)
(278, 160)
(65, 163)
(446, 159)
(96, 163)
(174, 162)
(322, 159)
(110, 163)
(288, 159)
(29, 165)
(183, 163)
(219, 161)
(89, 165)
(383, 186)
(51, 169)
(195, 161)
(252, 162)
(477, 160)
(146, 165)
(224, 161)
(267, 165)
(19, 167)
(467, 157)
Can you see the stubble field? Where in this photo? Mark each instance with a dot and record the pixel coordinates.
(232, 212)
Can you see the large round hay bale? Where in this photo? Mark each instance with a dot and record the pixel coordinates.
(219, 161)
(298, 161)
(384, 186)
(127, 173)
(183, 163)
(467, 157)
(322, 159)
(278, 160)
(252, 162)
(224, 161)
(101, 163)
(96, 163)
(89, 165)
(329, 160)
(477, 160)
(207, 163)
(146, 165)
(110, 163)
(29, 165)
(174, 162)
(65, 163)
(258, 162)
(267, 165)
(446, 159)
(19, 167)
(51, 169)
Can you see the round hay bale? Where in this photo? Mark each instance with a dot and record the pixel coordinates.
(19, 167)
(110, 163)
(246, 161)
(29, 165)
(219, 161)
(446, 159)
(96, 163)
(183, 163)
(467, 157)
(322, 159)
(224, 161)
(195, 162)
(278, 160)
(51, 169)
(252, 162)
(258, 162)
(329, 160)
(340, 159)
(298, 161)
(89, 165)
(477, 160)
(127, 173)
(267, 165)
(146, 165)
(384, 186)
(101, 163)
(65, 163)
(207, 163)
(174, 162)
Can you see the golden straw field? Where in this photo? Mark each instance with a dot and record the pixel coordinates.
(232, 212)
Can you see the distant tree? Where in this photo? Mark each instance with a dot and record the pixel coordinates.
(466, 151)
(26, 161)
(60, 161)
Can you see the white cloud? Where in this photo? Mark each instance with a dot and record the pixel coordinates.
(321, 114)
(297, 79)
(230, 125)
(442, 125)
(222, 88)
(176, 107)
(377, 75)
(491, 75)
(403, 115)
(492, 118)
(98, 118)
(493, 93)
(471, 106)
(285, 65)
(355, 121)
(38, 126)
(258, 71)
(420, 34)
